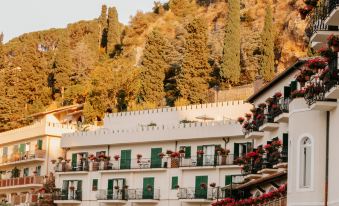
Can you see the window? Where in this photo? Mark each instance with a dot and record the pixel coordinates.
(39, 144)
(174, 182)
(26, 172)
(305, 163)
(228, 180)
(187, 150)
(38, 170)
(5, 151)
(95, 185)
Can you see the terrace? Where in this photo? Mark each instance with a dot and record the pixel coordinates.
(23, 158)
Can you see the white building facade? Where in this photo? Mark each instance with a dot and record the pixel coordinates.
(169, 156)
(26, 153)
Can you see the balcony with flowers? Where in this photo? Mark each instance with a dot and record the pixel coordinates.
(276, 197)
(319, 79)
(202, 193)
(264, 159)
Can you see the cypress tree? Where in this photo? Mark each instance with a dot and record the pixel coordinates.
(267, 37)
(154, 65)
(113, 31)
(2, 53)
(192, 80)
(62, 67)
(103, 16)
(230, 68)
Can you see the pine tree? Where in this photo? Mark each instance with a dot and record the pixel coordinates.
(2, 54)
(113, 31)
(103, 16)
(153, 69)
(230, 68)
(62, 66)
(267, 36)
(193, 77)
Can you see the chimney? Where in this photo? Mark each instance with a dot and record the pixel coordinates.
(258, 83)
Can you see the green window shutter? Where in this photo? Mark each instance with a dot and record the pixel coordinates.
(22, 148)
(228, 180)
(188, 152)
(110, 189)
(5, 151)
(201, 193)
(38, 170)
(287, 92)
(236, 150)
(39, 143)
(155, 159)
(293, 86)
(74, 160)
(95, 185)
(174, 182)
(148, 193)
(125, 159)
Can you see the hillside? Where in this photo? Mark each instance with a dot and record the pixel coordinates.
(80, 64)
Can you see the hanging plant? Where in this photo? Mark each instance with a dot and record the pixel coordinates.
(161, 155)
(241, 120)
(213, 184)
(116, 157)
(139, 156)
(203, 185)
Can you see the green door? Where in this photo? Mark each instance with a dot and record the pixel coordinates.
(125, 159)
(200, 158)
(200, 190)
(155, 159)
(148, 188)
(74, 161)
(110, 189)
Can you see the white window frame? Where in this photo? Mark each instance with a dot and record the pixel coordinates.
(299, 188)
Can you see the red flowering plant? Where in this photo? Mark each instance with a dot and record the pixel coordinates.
(326, 52)
(298, 93)
(248, 116)
(241, 120)
(264, 198)
(316, 63)
(200, 152)
(262, 105)
(333, 42)
(278, 95)
(175, 154)
(116, 157)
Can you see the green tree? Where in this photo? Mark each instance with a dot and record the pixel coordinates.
(230, 68)
(154, 65)
(113, 31)
(193, 77)
(267, 57)
(62, 66)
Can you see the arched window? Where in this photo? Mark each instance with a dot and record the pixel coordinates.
(305, 162)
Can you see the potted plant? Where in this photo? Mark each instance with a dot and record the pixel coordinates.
(200, 153)
(333, 43)
(241, 120)
(175, 159)
(149, 187)
(213, 184)
(169, 152)
(116, 157)
(161, 155)
(248, 116)
(116, 187)
(60, 159)
(35, 173)
(139, 156)
(126, 187)
(72, 188)
(53, 161)
(203, 186)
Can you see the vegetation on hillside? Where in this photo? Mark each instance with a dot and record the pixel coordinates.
(171, 56)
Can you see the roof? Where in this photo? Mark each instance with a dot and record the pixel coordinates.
(276, 80)
(61, 109)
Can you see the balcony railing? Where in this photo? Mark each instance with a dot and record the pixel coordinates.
(332, 4)
(115, 194)
(68, 195)
(207, 160)
(16, 158)
(68, 167)
(200, 193)
(21, 181)
(124, 164)
(40, 198)
(143, 194)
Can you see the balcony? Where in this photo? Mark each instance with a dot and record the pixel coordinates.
(67, 168)
(141, 164)
(149, 196)
(332, 13)
(32, 198)
(21, 159)
(22, 182)
(207, 161)
(199, 195)
(68, 197)
(116, 196)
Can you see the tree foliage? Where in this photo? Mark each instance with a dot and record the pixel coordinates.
(192, 80)
(267, 36)
(2, 53)
(230, 68)
(182, 8)
(113, 31)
